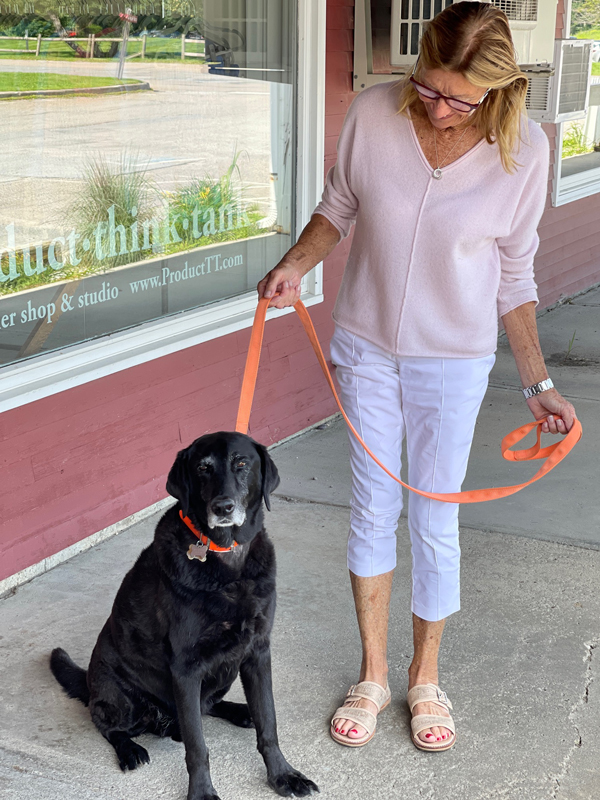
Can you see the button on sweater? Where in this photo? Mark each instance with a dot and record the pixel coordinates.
(433, 262)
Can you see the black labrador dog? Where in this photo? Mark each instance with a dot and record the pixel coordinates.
(187, 619)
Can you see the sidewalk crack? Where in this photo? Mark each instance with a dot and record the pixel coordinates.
(559, 777)
(309, 502)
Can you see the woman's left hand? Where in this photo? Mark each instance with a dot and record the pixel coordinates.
(559, 413)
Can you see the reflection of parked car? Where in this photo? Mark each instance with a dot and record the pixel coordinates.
(596, 51)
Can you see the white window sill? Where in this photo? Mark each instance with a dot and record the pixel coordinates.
(575, 187)
(58, 371)
(568, 188)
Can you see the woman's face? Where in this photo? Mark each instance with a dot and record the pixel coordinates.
(451, 84)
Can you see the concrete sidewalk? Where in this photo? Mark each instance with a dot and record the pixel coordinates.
(518, 662)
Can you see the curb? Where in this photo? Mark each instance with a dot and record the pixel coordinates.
(118, 89)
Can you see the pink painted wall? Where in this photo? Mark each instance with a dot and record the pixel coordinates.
(559, 32)
(568, 258)
(76, 462)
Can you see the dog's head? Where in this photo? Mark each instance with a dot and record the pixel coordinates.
(221, 480)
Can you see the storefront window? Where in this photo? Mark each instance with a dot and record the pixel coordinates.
(147, 162)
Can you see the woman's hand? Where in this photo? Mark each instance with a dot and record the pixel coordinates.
(521, 329)
(559, 413)
(282, 284)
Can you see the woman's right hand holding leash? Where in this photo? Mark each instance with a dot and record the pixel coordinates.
(282, 284)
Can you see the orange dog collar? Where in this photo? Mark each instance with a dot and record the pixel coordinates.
(199, 551)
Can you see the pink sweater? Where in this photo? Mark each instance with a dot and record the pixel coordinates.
(432, 262)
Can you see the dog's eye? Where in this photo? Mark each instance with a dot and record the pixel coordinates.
(240, 464)
(202, 467)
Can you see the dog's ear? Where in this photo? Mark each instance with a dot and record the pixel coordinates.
(178, 482)
(270, 476)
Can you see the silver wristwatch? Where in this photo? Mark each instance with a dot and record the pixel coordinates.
(537, 388)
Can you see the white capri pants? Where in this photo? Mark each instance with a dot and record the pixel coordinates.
(434, 402)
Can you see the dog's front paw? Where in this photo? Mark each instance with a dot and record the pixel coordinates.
(292, 784)
(131, 755)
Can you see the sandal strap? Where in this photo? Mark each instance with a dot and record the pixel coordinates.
(358, 715)
(423, 721)
(369, 690)
(428, 693)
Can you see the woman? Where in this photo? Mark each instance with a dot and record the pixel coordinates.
(446, 181)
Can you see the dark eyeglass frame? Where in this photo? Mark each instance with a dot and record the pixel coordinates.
(450, 101)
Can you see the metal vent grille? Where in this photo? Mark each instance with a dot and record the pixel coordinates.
(518, 10)
(537, 92)
(413, 15)
(574, 77)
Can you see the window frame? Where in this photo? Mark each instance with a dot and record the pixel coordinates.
(571, 187)
(574, 187)
(51, 373)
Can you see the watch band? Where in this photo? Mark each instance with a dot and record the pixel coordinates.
(538, 388)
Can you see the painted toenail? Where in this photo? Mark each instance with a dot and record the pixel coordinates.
(337, 730)
(429, 735)
(438, 738)
(353, 730)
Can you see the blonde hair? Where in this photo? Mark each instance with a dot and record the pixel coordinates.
(474, 39)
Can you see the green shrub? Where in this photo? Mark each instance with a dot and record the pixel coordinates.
(214, 209)
(34, 25)
(575, 143)
(112, 197)
(589, 33)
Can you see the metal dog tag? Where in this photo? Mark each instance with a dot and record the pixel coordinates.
(198, 551)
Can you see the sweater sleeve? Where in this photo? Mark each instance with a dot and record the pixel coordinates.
(517, 250)
(339, 204)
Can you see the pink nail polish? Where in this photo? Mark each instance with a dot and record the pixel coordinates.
(429, 735)
(337, 730)
(438, 739)
(353, 730)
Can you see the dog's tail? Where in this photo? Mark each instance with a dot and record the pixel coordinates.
(72, 678)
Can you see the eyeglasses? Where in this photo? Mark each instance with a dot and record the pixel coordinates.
(453, 102)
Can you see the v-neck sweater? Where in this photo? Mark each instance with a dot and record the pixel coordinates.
(432, 262)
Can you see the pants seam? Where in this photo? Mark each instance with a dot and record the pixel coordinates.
(364, 453)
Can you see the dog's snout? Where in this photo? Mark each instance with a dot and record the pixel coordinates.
(222, 506)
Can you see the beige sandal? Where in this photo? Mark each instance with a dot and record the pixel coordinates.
(430, 693)
(369, 691)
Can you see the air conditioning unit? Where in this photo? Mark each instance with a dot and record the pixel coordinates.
(408, 19)
(537, 100)
(561, 93)
(532, 23)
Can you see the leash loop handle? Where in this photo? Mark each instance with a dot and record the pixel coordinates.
(553, 454)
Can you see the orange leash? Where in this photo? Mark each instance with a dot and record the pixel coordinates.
(553, 454)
